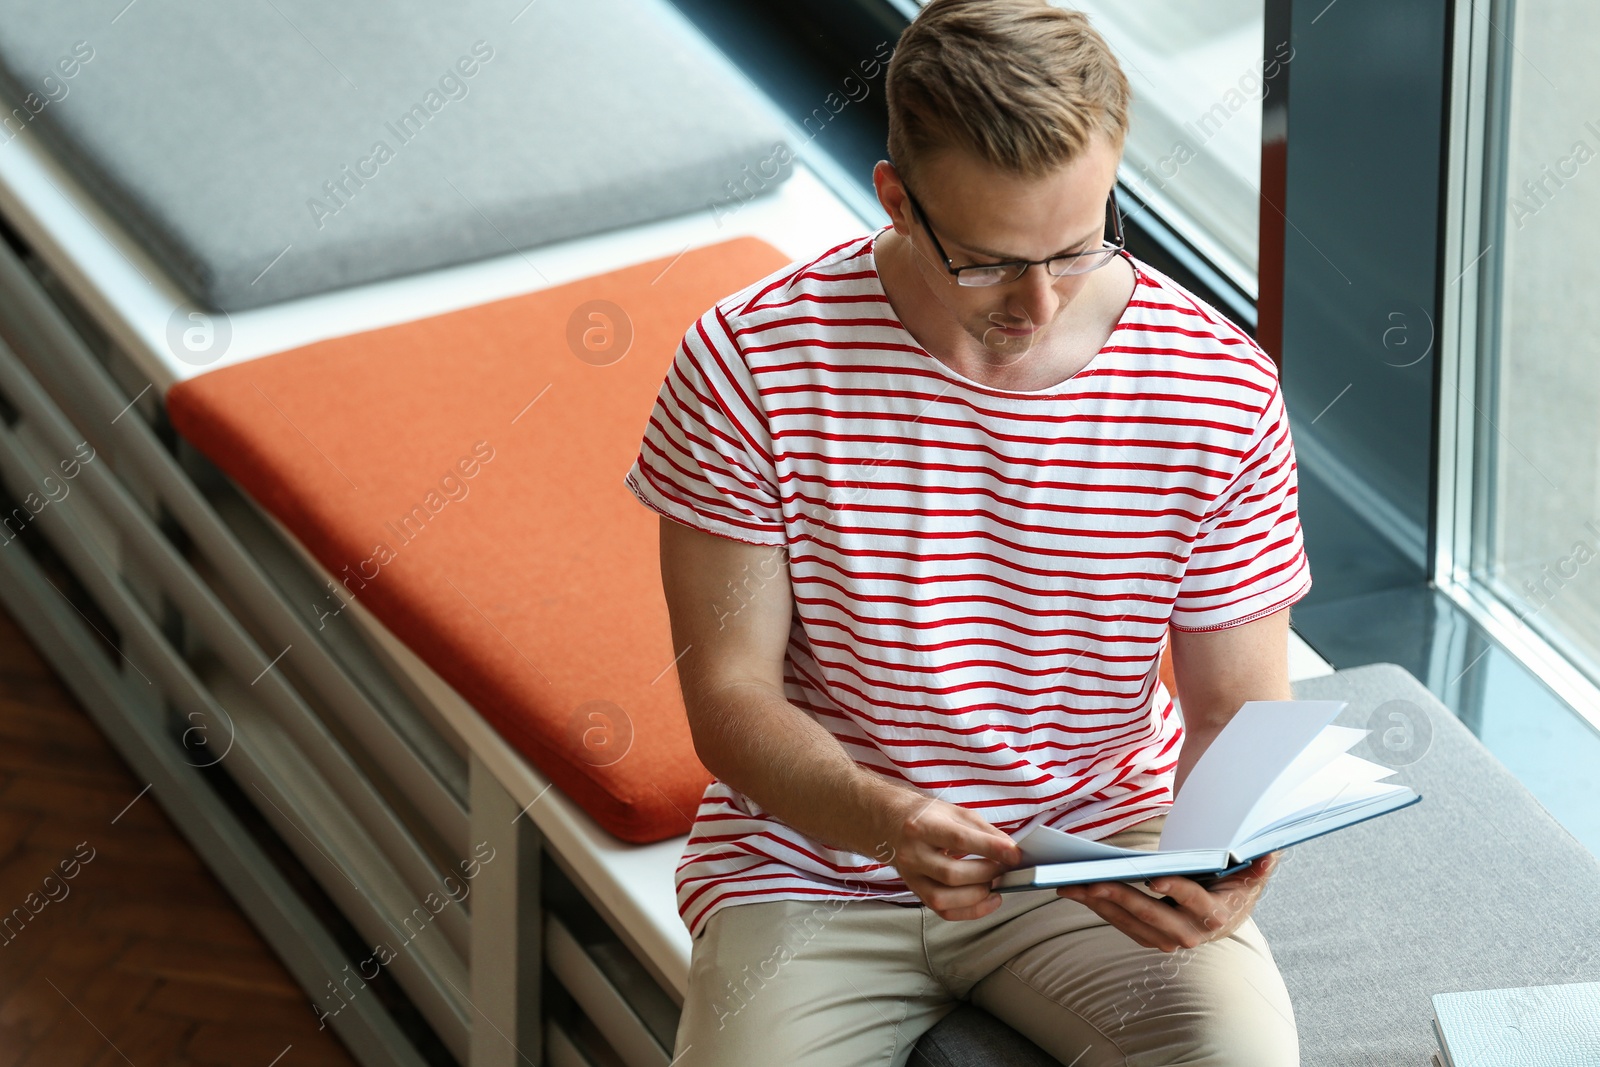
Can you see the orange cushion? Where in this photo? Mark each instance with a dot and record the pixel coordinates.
(462, 476)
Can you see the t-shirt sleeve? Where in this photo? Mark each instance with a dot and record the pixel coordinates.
(706, 457)
(1249, 559)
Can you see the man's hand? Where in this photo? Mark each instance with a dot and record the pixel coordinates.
(1201, 914)
(930, 839)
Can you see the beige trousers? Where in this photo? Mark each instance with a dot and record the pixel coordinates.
(844, 983)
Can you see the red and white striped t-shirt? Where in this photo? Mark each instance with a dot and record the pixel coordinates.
(982, 578)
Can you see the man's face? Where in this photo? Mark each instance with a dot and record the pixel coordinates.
(985, 215)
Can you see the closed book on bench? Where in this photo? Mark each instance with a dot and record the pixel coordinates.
(1526, 1026)
(1279, 773)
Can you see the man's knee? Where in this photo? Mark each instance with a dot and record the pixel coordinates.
(1231, 1039)
(1230, 1009)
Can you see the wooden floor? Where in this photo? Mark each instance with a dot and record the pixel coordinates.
(140, 958)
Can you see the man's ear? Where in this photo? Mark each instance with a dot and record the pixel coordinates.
(892, 195)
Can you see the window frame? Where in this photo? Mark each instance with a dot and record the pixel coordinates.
(1469, 328)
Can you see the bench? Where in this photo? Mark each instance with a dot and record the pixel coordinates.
(446, 598)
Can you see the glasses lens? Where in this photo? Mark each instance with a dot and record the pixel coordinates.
(1081, 264)
(986, 275)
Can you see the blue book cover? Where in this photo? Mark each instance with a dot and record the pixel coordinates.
(1278, 774)
(1528, 1026)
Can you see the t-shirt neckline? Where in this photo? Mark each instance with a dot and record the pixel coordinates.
(1059, 388)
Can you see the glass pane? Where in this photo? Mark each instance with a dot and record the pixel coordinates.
(1194, 137)
(1541, 461)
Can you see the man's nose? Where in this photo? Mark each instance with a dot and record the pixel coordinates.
(1035, 298)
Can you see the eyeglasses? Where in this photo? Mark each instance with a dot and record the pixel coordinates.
(1009, 271)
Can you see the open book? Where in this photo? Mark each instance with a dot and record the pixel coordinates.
(1279, 773)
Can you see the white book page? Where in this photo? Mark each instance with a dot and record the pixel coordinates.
(1340, 782)
(1241, 763)
(1353, 795)
(1045, 844)
(1139, 865)
(1391, 798)
(1311, 765)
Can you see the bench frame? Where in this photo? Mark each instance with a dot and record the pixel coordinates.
(294, 759)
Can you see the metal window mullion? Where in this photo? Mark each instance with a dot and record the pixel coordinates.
(1490, 216)
(1468, 346)
(1458, 327)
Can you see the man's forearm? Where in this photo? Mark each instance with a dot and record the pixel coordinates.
(760, 744)
(1217, 671)
(1202, 728)
(1196, 739)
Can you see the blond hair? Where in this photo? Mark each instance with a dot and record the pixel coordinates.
(1021, 84)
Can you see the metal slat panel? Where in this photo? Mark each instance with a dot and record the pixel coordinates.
(63, 365)
(357, 877)
(561, 1050)
(149, 654)
(78, 656)
(599, 999)
(172, 576)
(506, 931)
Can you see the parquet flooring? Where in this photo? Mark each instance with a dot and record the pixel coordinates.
(139, 957)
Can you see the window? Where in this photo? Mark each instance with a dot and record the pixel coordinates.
(1524, 490)
(1194, 139)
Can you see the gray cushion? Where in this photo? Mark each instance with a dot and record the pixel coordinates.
(208, 129)
(971, 1037)
(1476, 887)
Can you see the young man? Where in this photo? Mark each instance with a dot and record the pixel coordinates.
(932, 504)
